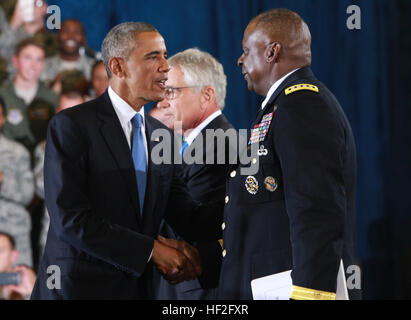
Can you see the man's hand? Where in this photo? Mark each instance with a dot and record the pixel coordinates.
(172, 263)
(27, 280)
(189, 251)
(17, 18)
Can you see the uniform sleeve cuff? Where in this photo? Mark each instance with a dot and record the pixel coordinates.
(300, 293)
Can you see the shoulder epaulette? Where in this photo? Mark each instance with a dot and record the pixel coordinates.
(301, 86)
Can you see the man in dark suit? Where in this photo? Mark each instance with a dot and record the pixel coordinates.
(297, 212)
(195, 97)
(105, 194)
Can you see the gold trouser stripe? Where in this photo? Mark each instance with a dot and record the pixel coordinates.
(221, 243)
(300, 293)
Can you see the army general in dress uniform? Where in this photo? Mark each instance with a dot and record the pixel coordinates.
(297, 212)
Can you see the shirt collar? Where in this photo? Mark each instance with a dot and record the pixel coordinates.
(275, 87)
(123, 110)
(193, 134)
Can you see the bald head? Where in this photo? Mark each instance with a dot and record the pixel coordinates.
(275, 43)
(289, 29)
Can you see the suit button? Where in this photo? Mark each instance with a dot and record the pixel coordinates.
(223, 226)
(227, 198)
(233, 174)
(224, 252)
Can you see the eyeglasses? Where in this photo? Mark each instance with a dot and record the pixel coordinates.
(173, 93)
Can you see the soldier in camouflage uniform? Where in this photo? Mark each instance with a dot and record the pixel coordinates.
(27, 120)
(16, 192)
(14, 30)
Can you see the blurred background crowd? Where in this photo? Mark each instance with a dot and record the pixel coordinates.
(41, 73)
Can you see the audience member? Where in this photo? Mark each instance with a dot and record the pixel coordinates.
(99, 79)
(71, 38)
(20, 93)
(8, 257)
(15, 27)
(16, 192)
(69, 81)
(167, 115)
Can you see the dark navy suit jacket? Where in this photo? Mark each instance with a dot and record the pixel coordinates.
(206, 183)
(97, 236)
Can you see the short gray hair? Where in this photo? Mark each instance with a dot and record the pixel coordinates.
(118, 42)
(202, 69)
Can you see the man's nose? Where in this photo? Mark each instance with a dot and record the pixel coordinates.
(240, 60)
(164, 67)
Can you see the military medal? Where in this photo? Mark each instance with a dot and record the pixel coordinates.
(270, 184)
(251, 184)
(260, 130)
(262, 151)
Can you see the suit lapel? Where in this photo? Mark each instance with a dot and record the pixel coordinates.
(113, 134)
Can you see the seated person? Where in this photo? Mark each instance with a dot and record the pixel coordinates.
(167, 116)
(26, 87)
(16, 192)
(16, 26)
(69, 81)
(99, 79)
(8, 257)
(71, 37)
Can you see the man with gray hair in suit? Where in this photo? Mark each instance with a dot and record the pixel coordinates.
(196, 90)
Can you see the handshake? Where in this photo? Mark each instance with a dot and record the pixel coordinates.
(176, 260)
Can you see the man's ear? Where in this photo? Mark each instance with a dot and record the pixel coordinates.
(272, 52)
(208, 96)
(117, 67)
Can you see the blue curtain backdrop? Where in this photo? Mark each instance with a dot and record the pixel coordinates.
(366, 69)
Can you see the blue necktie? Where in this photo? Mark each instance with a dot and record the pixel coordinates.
(183, 147)
(138, 152)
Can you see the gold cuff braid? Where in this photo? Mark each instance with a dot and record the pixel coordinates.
(300, 293)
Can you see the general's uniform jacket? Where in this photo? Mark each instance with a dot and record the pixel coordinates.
(297, 211)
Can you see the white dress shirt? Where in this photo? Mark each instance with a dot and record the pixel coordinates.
(193, 134)
(125, 113)
(274, 87)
